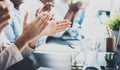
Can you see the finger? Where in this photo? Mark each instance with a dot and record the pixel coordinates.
(38, 18)
(41, 22)
(3, 4)
(42, 19)
(65, 26)
(61, 23)
(44, 26)
(60, 30)
(47, 18)
(4, 17)
(47, 7)
(4, 23)
(45, 23)
(3, 11)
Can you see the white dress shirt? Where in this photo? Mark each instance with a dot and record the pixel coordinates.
(11, 55)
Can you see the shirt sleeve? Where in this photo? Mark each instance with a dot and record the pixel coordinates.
(8, 30)
(9, 56)
(27, 50)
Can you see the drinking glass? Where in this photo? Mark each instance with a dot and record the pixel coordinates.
(91, 54)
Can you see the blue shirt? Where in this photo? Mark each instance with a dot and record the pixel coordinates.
(15, 27)
(79, 17)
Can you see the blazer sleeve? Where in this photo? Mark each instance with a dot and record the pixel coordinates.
(9, 56)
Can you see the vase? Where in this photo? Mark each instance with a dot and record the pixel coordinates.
(115, 33)
(112, 68)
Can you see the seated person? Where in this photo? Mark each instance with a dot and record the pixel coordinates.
(69, 16)
(75, 31)
(14, 29)
(13, 53)
(54, 26)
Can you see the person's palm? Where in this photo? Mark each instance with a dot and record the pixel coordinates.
(36, 27)
(75, 6)
(47, 8)
(56, 27)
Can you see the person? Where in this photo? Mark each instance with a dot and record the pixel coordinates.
(52, 28)
(14, 29)
(73, 9)
(78, 17)
(70, 11)
(13, 53)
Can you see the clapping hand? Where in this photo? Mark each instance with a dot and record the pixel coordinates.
(75, 6)
(55, 27)
(4, 15)
(33, 29)
(47, 7)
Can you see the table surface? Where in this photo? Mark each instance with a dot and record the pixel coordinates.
(77, 53)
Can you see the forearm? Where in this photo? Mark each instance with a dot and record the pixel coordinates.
(33, 42)
(9, 56)
(70, 15)
(20, 42)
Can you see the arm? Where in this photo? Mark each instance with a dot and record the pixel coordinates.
(51, 29)
(45, 1)
(33, 29)
(9, 56)
(6, 57)
(12, 54)
(73, 9)
(4, 16)
(70, 16)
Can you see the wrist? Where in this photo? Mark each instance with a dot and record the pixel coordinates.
(20, 42)
(72, 11)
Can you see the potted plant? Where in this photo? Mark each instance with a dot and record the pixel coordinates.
(110, 58)
(114, 25)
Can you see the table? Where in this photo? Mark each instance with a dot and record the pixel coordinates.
(76, 51)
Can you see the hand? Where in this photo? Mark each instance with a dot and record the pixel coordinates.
(55, 27)
(4, 16)
(47, 7)
(38, 25)
(33, 29)
(45, 1)
(52, 28)
(75, 6)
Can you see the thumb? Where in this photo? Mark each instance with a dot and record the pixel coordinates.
(25, 19)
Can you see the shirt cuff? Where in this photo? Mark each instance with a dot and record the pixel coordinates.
(16, 52)
(27, 50)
